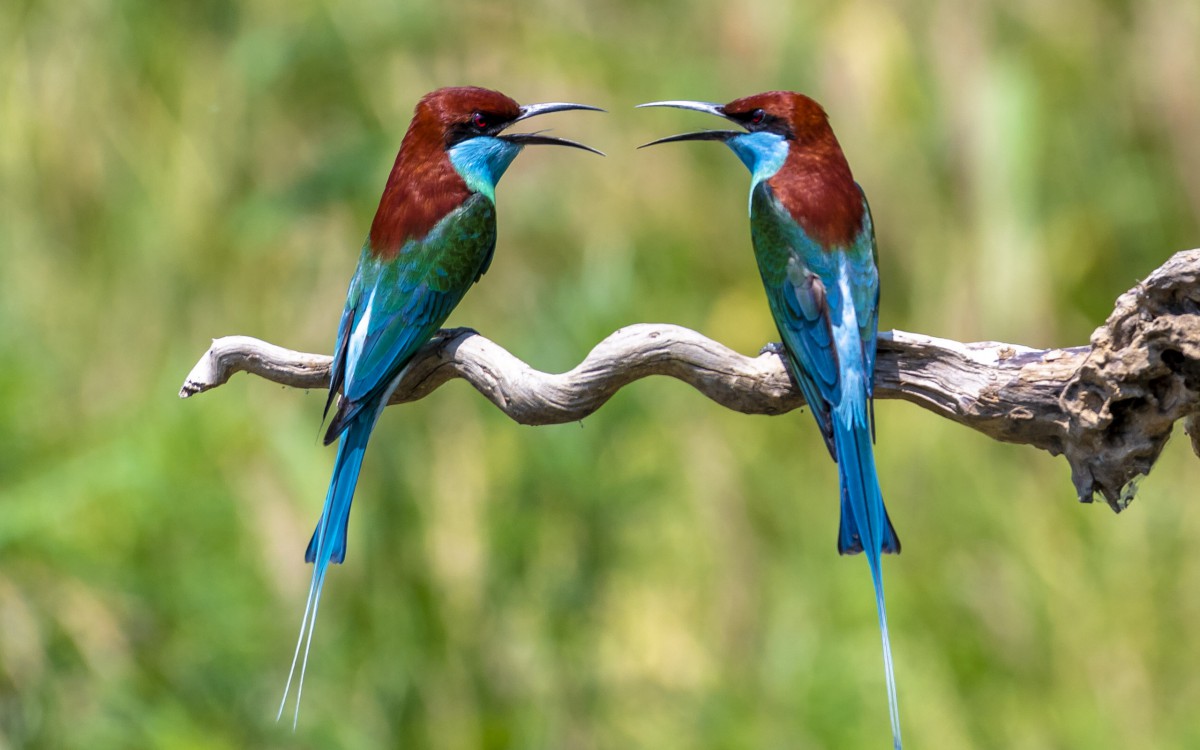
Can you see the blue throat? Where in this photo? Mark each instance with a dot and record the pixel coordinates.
(481, 162)
(763, 154)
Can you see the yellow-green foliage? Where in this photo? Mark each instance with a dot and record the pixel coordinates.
(664, 575)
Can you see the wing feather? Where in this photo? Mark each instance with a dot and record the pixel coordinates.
(403, 300)
(800, 277)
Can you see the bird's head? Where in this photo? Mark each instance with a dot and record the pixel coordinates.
(468, 123)
(455, 146)
(775, 123)
(786, 141)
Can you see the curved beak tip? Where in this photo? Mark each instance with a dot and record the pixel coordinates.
(533, 110)
(699, 135)
(538, 139)
(709, 107)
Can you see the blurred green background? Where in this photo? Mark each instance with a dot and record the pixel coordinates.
(662, 575)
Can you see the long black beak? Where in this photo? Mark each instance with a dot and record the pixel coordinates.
(533, 110)
(699, 135)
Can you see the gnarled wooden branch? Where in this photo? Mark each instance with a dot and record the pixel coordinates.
(1108, 407)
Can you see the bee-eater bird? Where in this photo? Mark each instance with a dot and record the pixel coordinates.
(432, 238)
(815, 245)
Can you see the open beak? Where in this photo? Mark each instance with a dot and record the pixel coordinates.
(699, 135)
(533, 110)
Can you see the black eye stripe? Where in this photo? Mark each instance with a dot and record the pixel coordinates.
(757, 120)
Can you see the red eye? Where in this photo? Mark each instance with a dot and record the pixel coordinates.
(757, 117)
(479, 120)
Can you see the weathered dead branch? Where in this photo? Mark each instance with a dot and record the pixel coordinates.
(1108, 407)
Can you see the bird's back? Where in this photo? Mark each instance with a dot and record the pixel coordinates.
(398, 302)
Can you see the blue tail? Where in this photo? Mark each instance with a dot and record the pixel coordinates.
(329, 540)
(865, 523)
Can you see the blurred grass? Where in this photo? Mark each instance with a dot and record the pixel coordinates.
(663, 575)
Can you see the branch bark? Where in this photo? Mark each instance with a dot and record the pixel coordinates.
(1109, 408)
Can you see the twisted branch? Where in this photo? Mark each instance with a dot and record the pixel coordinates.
(1108, 407)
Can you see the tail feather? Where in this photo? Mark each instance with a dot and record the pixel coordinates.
(866, 527)
(850, 540)
(893, 705)
(328, 542)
